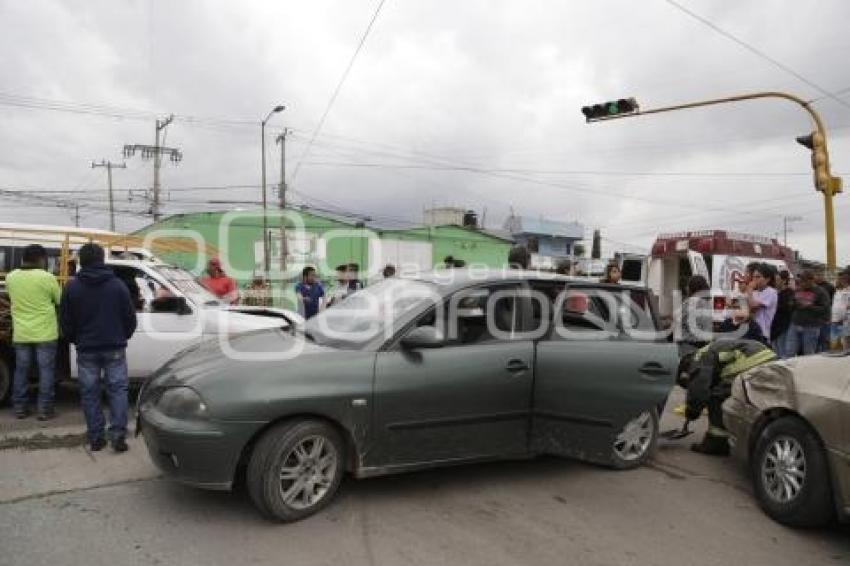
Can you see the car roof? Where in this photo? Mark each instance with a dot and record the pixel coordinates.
(458, 278)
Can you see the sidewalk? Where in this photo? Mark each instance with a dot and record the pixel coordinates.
(42, 458)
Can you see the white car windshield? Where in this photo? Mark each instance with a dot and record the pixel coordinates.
(367, 314)
(187, 284)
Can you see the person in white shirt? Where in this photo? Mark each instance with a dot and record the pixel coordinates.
(840, 313)
(762, 298)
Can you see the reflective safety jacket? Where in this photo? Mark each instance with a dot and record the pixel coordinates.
(715, 366)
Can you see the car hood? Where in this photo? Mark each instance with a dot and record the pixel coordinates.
(235, 320)
(808, 385)
(821, 375)
(237, 357)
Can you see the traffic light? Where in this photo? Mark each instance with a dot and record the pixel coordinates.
(824, 181)
(610, 109)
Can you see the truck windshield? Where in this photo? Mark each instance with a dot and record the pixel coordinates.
(186, 283)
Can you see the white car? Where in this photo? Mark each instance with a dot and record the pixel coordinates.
(187, 315)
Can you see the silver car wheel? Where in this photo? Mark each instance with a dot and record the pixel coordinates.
(307, 472)
(635, 438)
(783, 469)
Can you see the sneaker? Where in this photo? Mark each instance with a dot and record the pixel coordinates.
(119, 445)
(22, 413)
(97, 445)
(46, 415)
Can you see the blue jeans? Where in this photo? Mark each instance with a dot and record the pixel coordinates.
(805, 336)
(44, 354)
(112, 364)
(780, 345)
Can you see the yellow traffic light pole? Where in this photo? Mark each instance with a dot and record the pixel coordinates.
(824, 181)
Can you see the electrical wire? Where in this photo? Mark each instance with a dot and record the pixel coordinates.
(759, 53)
(338, 89)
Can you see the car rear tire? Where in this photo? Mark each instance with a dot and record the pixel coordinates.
(5, 381)
(295, 469)
(636, 442)
(791, 476)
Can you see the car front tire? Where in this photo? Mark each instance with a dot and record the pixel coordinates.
(636, 442)
(295, 469)
(790, 474)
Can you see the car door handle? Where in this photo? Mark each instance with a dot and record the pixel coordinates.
(516, 365)
(653, 369)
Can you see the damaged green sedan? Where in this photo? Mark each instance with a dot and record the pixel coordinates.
(790, 421)
(406, 374)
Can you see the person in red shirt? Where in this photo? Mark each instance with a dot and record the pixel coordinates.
(219, 284)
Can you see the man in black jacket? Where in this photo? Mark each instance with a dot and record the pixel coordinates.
(98, 316)
(811, 312)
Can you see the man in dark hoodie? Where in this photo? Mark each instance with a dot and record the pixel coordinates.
(98, 316)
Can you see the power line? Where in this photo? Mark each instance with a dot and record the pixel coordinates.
(842, 93)
(759, 53)
(338, 89)
(7, 99)
(578, 172)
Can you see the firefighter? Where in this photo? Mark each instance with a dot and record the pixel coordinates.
(711, 371)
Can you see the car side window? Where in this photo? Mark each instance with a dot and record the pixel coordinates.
(144, 289)
(477, 315)
(587, 312)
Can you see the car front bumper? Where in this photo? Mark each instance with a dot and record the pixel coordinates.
(199, 453)
(739, 417)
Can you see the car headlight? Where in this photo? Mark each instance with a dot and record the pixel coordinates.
(182, 403)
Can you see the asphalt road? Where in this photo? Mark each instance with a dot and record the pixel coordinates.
(75, 508)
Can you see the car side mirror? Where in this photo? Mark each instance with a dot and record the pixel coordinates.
(423, 337)
(176, 305)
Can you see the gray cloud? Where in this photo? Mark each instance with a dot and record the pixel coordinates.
(496, 85)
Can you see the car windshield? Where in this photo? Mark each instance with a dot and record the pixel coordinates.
(369, 313)
(187, 284)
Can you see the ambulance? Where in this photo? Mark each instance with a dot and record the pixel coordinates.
(718, 255)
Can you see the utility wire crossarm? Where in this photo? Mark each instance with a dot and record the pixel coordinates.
(825, 182)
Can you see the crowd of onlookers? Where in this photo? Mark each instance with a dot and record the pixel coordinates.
(802, 315)
(97, 314)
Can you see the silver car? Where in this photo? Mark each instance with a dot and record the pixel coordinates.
(790, 421)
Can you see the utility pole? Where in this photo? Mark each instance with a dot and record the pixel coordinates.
(156, 152)
(109, 167)
(275, 110)
(785, 221)
(284, 248)
(77, 215)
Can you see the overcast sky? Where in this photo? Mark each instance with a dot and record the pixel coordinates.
(473, 103)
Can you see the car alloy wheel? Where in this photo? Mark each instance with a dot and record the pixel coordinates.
(295, 469)
(634, 440)
(790, 474)
(308, 472)
(783, 469)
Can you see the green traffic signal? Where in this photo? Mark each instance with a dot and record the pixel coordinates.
(610, 109)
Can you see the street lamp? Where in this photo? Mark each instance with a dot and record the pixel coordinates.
(275, 110)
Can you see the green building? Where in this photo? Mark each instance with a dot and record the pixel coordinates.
(323, 241)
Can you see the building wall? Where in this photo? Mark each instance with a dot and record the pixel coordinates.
(469, 245)
(548, 245)
(331, 243)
